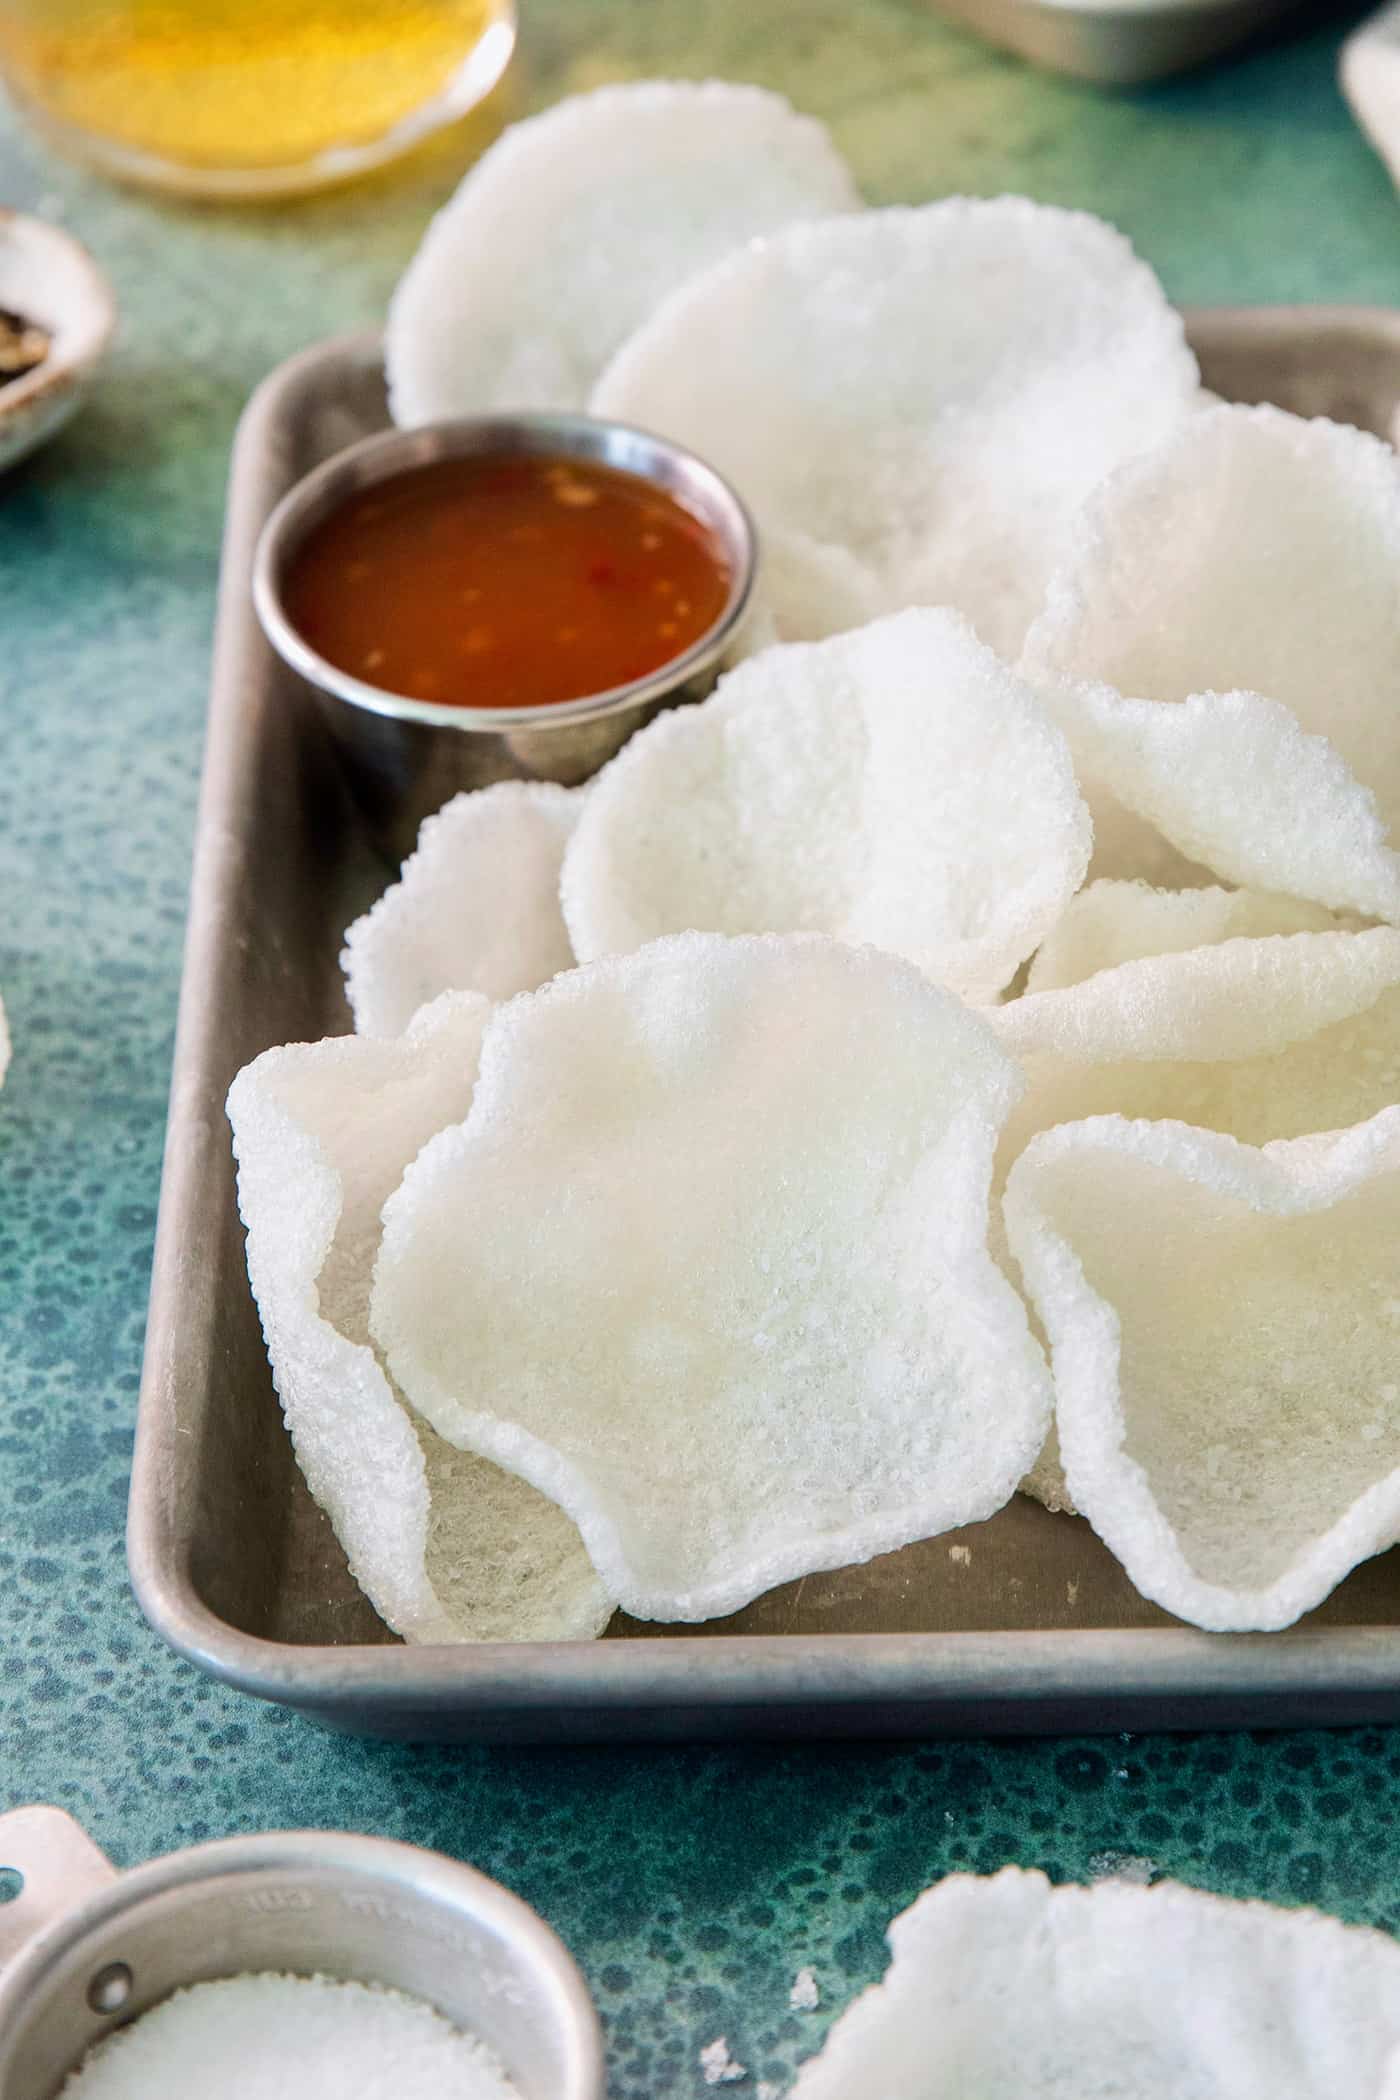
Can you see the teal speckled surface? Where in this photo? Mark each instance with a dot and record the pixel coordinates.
(691, 1884)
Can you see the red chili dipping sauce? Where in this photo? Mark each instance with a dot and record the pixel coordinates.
(506, 582)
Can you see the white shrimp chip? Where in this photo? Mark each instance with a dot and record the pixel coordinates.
(707, 1263)
(445, 1546)
(475, 908)
(914, 401)
(1115, 922)
(577, 223)
(1262, 1038)
(1222, 647)
(1225, 1334)
(895, 785)
(1008, 1986)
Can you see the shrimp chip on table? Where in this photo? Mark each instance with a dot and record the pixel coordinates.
(475, 908)
(895, 785)
(914, 401)
(445, 1546)
(707, 1263)
(1010, 1987)
(577, 223)
(1221, 645)
(1224, 1323)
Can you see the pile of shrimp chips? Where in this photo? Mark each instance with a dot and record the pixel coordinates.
(843, 787)
(445, 1546)
(1222, 646)
(733, 1307)
(1010, 1986)
(1111, 922)
(476, 907)
(914, 401)
(577, 223)
(1224, 1324)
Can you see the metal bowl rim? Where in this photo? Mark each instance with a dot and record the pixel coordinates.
(368, 1860)
(463, 437)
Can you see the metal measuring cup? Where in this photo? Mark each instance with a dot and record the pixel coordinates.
(85, 1949)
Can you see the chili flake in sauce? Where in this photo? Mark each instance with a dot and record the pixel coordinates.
(506, 582)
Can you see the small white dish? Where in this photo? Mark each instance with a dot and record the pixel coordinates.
(46, 276)
(1369, 71)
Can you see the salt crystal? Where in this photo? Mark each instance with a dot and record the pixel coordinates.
(961, 1554)
(719, 2067)
(253, 2037)
(1122, 1866)
(804, 1995)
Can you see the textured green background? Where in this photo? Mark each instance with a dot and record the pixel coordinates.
(692, 1884)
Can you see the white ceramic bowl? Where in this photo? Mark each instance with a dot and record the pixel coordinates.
(46, 276)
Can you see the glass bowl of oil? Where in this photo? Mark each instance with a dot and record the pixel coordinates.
(249, 98)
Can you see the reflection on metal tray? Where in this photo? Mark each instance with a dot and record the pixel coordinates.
(1121, 43)
(1022, 1623)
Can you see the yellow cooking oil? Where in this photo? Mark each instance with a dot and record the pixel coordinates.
(250, 93)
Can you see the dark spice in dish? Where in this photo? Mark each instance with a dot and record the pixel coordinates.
(23, 345)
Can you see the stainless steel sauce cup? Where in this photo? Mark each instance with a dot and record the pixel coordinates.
(406, 756)
(84, 1949)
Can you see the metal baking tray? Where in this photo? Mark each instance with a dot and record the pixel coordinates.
(1118, 43)
(1022, 1623)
